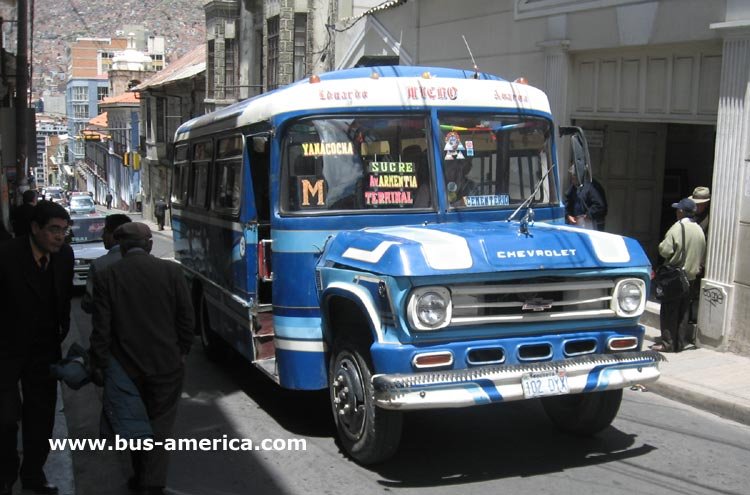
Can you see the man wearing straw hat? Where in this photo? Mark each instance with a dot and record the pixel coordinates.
(701, 197)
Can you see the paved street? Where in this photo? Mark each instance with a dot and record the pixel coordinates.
(654, 446)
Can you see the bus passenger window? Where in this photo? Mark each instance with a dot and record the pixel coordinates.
(228, 174)
(202, 155)
(180, 175)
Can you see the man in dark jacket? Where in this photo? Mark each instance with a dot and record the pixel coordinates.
(150, 344)
(22, 214)
(160, 212)
(585, 204)
(36, 280)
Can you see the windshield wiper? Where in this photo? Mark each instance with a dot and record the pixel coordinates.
(527, 203)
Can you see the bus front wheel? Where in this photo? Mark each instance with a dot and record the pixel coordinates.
(583, 414)
(368, 433)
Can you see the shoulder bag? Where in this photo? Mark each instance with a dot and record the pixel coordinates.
(670, 281)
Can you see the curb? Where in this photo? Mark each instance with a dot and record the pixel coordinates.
(692, 395)
(672, 389)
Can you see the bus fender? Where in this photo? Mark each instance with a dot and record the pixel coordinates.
(360, 297)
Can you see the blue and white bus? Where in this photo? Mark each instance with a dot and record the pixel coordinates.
(396, 235)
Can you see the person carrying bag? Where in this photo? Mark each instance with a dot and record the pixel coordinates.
(672, 280)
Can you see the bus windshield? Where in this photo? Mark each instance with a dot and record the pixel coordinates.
(492, 161)
(356, 163)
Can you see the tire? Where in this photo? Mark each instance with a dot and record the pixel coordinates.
(583, 414)
(213, 347)
(368, 433)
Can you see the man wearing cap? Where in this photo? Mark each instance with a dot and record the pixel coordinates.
(143, 318)
(693, 245)
(111, 222)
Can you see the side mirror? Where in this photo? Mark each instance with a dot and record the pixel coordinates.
(260, 144)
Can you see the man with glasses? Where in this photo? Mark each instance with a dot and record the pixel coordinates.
(36, 281)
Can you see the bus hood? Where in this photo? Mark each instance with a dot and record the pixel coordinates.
(479, 247)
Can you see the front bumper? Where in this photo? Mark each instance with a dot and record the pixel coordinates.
(80, 276)
(487, 384)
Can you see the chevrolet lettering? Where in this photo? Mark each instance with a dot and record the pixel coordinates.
(395, 236)
(530, 253)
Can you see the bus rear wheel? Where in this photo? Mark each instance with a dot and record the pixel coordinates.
(583, 414)
(368, 433)
(212, 344)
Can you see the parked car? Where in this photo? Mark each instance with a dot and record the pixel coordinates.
(81, 204)
(54, 194)
(87, 244)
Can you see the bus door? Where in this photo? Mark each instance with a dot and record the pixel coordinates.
(259, 237)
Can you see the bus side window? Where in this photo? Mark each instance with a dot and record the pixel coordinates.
(202, 156)
(227, 181)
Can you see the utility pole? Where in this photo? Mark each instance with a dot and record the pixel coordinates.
(22, 87)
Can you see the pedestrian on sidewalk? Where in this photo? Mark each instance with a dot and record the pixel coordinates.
(108, 199)
(36, 282)
(111, 222)
(585, 203)
(160, 211)
(143, 319)
(684, 243)
(701, 196)
(21, 215)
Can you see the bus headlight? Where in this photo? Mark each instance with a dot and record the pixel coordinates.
(429, 308)
(630, 297)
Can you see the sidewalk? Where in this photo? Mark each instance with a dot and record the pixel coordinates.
(138, 217)
(713, 381)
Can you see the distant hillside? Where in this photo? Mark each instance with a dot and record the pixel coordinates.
(58, 22)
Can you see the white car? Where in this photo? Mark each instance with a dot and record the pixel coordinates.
(87, 244)
(81, 204)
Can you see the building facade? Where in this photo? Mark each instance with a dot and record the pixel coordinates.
(665, 105)
(46, 128)
(169, 98)
(254, 46)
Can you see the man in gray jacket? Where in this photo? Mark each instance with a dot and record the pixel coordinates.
(143, 318)
(693, 244)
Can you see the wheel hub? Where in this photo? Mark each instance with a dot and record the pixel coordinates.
(347, 394)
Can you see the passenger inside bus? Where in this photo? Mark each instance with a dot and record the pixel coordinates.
(457, 181)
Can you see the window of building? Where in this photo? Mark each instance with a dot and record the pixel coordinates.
(80, 93)
(101, 93)
(300, 44)
(149, 124)
(230, 54)
(80, 110)
(159, 120)
(228, 174)
(202, 154)
(210, 63)
(272, 79)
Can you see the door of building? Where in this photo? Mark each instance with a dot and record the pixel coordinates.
(630, 165)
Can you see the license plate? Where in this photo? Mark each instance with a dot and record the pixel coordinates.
(544, 384)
